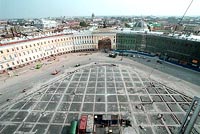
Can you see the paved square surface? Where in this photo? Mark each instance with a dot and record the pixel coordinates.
(101, 89)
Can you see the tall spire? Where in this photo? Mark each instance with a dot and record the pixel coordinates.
(93, 16)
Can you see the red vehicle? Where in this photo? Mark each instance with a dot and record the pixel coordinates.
(83, 124)
(55, 72)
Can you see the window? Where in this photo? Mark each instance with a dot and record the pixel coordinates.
(26, 46)
(1, 51)
(22, 47)
(1, 66)
(8, 65)
(13, 63)
(22, 61)
(12, 49)
(7, 50)
(10, 56)
(4, 58)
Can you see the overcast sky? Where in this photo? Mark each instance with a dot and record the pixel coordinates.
(56, 8)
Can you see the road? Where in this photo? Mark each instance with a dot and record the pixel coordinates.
(168, 74)
(169, 68)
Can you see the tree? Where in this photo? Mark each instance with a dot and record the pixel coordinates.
(83, 24)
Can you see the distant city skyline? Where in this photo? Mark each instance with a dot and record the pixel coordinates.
(55, 8)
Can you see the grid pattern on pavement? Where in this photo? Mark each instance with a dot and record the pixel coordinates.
(98, 90)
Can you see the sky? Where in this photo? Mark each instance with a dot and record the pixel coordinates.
(56, 8)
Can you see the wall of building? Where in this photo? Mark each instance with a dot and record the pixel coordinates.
(19, 54)
(129, 41)
(169, 48)
(181, 50)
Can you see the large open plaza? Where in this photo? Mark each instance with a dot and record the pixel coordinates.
(98, 88)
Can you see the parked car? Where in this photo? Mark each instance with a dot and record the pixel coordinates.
(159, 61)
(77, 65)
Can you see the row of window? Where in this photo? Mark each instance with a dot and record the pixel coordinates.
(52, 41)
(33, 51)
(41, 43)
(64, 44)
(27, 59)
(83, 37)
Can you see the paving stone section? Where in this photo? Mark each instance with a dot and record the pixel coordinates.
(100, 89)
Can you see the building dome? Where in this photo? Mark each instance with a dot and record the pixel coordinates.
(140, 26)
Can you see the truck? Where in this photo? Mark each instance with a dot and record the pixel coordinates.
(73, 127)
(83, 124)
(90, 124)
(55, 72)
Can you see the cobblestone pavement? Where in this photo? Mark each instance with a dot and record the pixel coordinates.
(99, 89)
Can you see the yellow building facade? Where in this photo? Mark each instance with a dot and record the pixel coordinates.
(14, 54)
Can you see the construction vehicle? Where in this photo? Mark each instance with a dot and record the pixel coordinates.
(55, 72)
(38, 66)
(90, 124)
(73, 127)
(83, 124)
